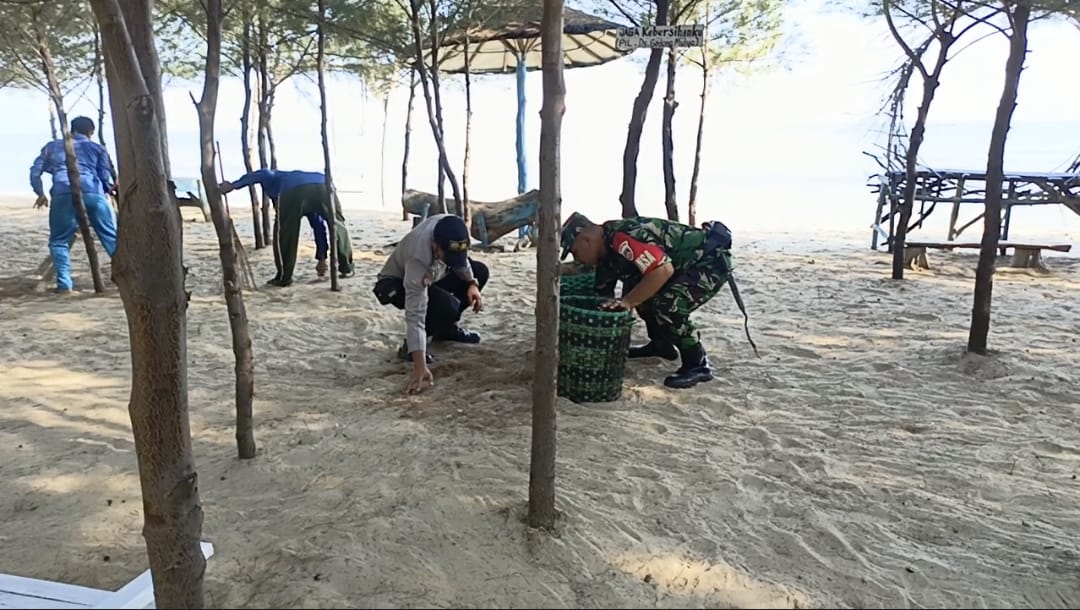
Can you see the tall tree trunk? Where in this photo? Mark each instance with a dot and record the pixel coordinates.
(99, 79)
(545, 380)
(140, 10)
(668, 139)
(223, 224)
(408, 138)
(52, 119)
(995, 177)
(637, 121)
(433, 27)
(270, 144)
(150, 274)
(245, 128)
(436, 131)
(918, 132)
(382, 146)
(45, 56)
(691, 211)
(262, 121)
(468, 140)
(320, 69)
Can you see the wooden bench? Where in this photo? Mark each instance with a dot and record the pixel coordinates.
(1024, 255)
(20, 592)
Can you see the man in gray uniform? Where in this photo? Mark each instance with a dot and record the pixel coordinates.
(430, 276)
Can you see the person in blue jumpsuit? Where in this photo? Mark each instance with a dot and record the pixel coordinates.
(297, 194)
(322, 245)
(95, 180)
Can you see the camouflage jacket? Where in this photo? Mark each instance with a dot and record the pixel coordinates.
(638, 245)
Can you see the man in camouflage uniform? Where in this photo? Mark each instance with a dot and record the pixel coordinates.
(668, 270)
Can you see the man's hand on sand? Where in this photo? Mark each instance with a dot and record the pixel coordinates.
(41, 202)
(419, 380)
(475, 299)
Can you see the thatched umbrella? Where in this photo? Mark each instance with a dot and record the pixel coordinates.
(511, 43)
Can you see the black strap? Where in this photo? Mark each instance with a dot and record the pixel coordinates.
(719, 238)
(742, 308)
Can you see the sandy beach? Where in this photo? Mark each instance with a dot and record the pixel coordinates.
(864, 461)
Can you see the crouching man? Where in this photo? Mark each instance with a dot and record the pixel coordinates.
(431, 277)
(668, 270)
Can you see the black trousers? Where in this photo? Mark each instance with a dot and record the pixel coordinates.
(447, 298)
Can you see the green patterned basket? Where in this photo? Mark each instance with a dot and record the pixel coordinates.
(592, 349)
(578, 284)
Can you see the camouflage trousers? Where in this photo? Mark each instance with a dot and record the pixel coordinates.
(667, 314)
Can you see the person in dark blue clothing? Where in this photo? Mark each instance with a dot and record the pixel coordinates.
(322, 245)
(95, 180)
(298, 194)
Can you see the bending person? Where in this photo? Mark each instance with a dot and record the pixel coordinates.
(297, 194)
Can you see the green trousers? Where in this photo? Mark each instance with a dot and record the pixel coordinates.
(293, 205)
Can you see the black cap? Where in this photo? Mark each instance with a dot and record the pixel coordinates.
(83, 125)
(452, 236)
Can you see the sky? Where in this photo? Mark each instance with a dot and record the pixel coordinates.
(783, 149)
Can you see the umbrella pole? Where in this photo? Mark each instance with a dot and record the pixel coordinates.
(522, 167)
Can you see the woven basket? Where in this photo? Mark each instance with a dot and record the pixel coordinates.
(593, 346)
(579, 284)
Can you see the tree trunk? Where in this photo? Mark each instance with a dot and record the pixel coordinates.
(995, 172)
(408, 138)
(382, 146)
(545, 381)
(320, 69)
(245, 129)
(99, 80)
(99, 77)
(223, 224)
(918, 133)
(45, 55)
(150, 274)
(433, 27)
(263, 121)
(668, 139)
(637, 121)
(270, 144)
(140, 10)
(436, 131)
(52, 119)
(691, 212)
(464, 208)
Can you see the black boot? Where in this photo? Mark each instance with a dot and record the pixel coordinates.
(694, 370)
(403, 353)
(655, 348)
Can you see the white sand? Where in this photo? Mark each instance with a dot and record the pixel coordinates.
(863, 461)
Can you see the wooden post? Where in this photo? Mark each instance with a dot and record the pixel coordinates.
(956, 209)
(545, 380)
(1008, 214)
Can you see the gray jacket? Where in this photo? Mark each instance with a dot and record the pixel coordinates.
(413, 260)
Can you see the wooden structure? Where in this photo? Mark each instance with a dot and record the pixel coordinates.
(959, 187)
(20, 592)
(490, 220)
(1024, 255)
(189, 192)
